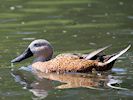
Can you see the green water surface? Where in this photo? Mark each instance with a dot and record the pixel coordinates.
(71, 26)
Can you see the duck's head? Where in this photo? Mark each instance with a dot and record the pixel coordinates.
(41, 49)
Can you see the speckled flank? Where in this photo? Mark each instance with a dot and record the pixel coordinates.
(66, 63)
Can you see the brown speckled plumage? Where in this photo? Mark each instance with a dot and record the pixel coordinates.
(68, 63)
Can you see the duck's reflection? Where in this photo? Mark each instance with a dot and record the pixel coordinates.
(72, 80)
(40, 83)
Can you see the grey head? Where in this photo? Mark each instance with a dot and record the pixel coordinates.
(40, 48)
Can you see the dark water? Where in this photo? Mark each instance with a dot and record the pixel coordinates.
(71, 26)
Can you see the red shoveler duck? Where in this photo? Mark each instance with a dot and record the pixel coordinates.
(43, 51)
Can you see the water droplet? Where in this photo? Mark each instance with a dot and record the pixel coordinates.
(119, 60)
(113, 37)
(89, 5)
(24, 88)
(12, 8)
(75, 35)
(19, 6)
(121, 3)
(92, 43)
(131, 33)
(108, 33)
(7, 37)
(37, 83)
(106, 14)
(22, 23)
(64, 31)
(44, 30)
(130, 17)
(93, 20)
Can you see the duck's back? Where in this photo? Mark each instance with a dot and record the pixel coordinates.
(66, 63)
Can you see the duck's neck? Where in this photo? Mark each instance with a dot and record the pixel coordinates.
(40, 59)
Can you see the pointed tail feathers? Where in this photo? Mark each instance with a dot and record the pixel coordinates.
(92, 54)
(114, 57)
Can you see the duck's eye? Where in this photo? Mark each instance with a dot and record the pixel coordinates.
(37, 45)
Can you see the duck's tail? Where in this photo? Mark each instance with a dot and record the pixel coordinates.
(114, 57)
(94, 53)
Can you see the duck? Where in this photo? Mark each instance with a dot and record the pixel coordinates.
(42, 50)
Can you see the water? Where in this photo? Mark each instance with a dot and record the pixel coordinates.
(71, 26)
